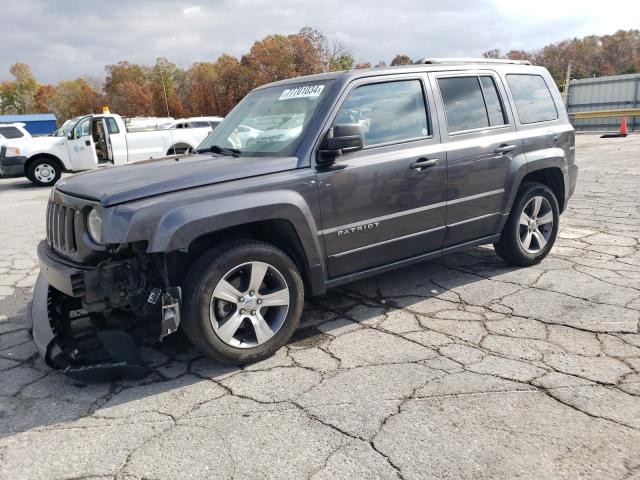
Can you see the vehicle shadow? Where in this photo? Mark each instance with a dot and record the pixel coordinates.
(8, 184)
(47, 398)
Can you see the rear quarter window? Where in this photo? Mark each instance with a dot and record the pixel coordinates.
(10, 132)
(533, 99)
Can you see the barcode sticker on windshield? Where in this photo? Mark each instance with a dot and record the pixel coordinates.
(302, 92)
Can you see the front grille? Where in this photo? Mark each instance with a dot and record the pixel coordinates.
(61, 229)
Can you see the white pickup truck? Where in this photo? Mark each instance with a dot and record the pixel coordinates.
(91, 141)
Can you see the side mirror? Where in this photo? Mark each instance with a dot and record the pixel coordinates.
(341, 139)
(70, 134)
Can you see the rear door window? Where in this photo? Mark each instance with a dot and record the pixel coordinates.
(11, 132)
(388, 112)
(112, 126)
(534, 102)
(471, 103)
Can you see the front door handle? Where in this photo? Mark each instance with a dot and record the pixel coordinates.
(504, 148)
(423, 163)
(87, 143)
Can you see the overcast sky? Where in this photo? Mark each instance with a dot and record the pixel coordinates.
(66, 39)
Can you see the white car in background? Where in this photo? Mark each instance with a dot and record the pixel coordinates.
(196, 122)
(12, 131)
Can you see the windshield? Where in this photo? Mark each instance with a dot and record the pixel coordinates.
(65, 128)
(269, 121)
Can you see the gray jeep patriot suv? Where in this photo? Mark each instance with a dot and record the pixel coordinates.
(307, 184)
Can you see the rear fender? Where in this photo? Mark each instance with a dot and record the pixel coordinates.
(538, 160)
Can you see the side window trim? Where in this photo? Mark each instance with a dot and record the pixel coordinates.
(379, 80)
(477, 75)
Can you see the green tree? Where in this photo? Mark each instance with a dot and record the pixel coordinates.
(165, 79)
(25, 87)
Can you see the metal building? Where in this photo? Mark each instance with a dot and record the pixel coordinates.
(605, 93)
(36, 124)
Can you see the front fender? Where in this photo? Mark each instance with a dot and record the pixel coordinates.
(181, 226)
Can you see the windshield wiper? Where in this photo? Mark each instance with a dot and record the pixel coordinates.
(231, 152)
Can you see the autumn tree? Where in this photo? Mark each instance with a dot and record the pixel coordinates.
(44, 99)
(75, 97)
(270, 59)
(519, 55)
(401, 59)
(589, 56)
(621, 52)
(127, 89)
(198, 89)
(7, 97)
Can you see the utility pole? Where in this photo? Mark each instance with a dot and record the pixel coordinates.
(565, 92)
(164, 90)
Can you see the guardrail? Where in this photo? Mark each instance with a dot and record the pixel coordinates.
(624, 112)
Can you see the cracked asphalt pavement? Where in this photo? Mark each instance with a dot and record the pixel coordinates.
(458, 368)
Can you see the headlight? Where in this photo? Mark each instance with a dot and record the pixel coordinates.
(94, 225)
(12, 152)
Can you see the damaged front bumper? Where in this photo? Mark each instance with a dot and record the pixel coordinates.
(67, 294)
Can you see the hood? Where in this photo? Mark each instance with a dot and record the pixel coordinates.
(28, 144)
(113, 185)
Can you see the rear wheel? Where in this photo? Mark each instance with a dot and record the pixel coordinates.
(243, 301)
(532, 227)
(43, 172)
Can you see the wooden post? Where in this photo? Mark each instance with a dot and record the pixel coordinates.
(565, 92)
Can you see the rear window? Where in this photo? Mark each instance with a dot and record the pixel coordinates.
(11, 132)
(471, 103)
(534, 102)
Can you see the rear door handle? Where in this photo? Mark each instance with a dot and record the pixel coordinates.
(505, 148)
(423, 163)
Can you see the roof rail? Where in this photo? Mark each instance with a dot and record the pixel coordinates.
(433, 61)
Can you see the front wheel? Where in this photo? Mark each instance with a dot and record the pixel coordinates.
(242, 302)
(532, 227)
(43, 172)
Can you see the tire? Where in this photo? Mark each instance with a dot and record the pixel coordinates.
(209, 319)
(43, 172)
(524, 241)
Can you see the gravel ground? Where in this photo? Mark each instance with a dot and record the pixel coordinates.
(460, 368)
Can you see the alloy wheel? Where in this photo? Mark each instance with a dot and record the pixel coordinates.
(536, 224)
(249, 304)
